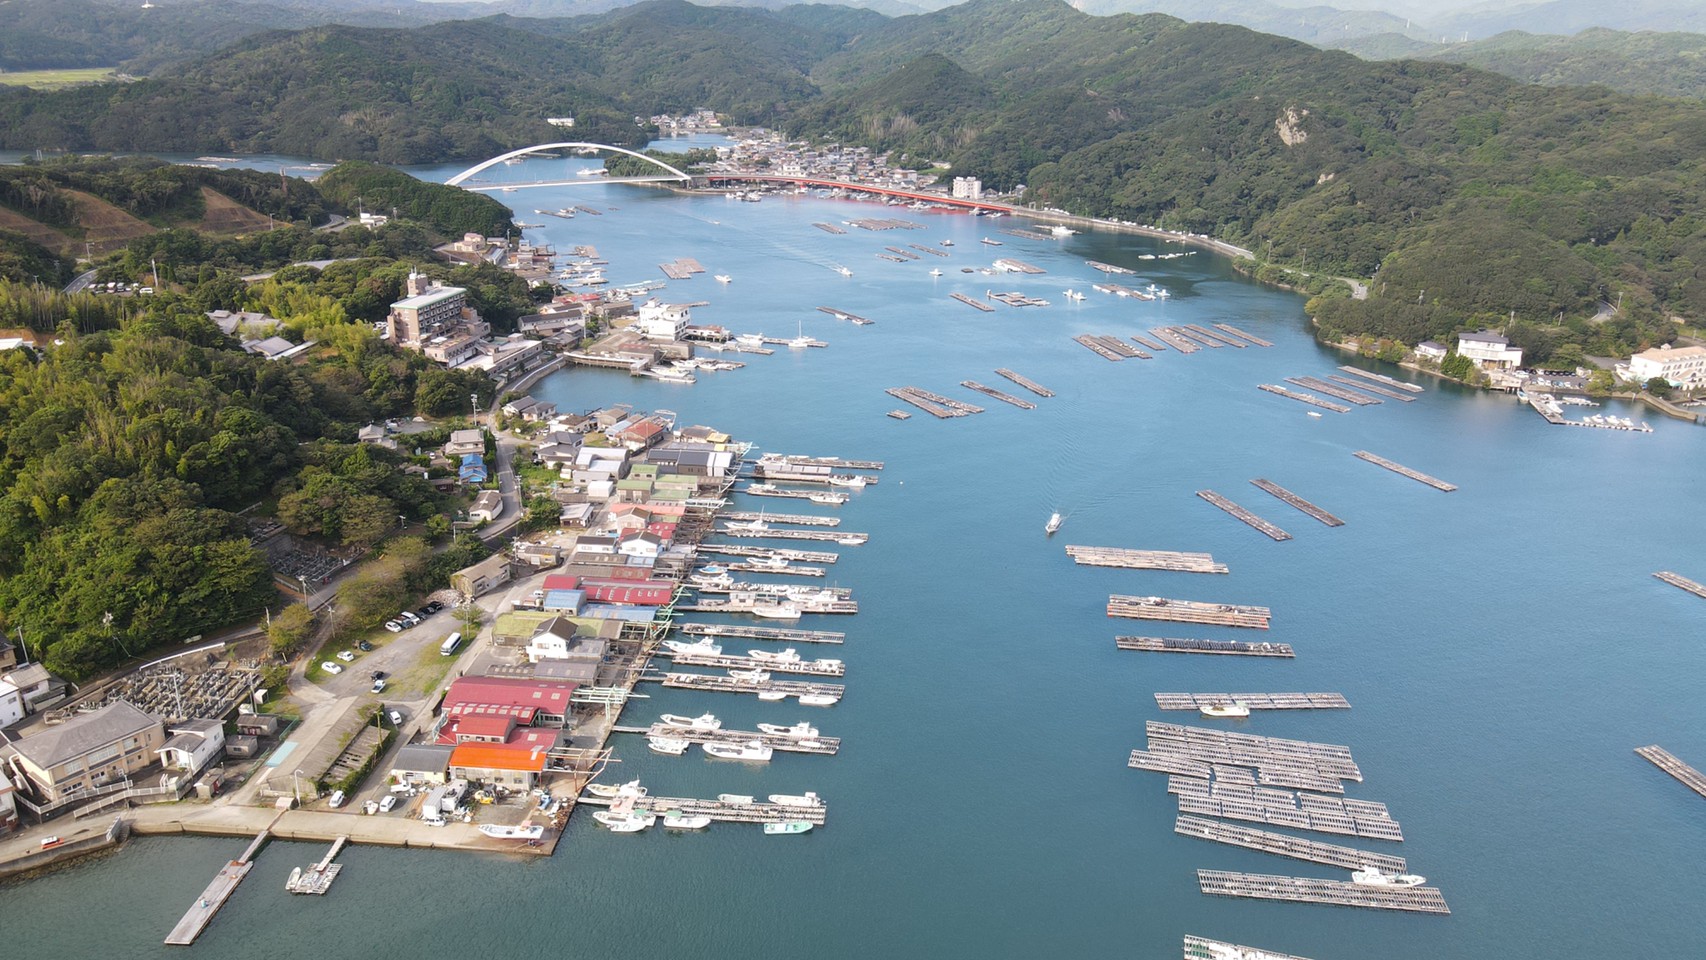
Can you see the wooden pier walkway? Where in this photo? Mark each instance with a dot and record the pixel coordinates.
(1255, 701)
(1313, 383)
(717, 684)
(738, 550)
(1273, 532)
(1026, 382)
(1402, 470)
(1343, 893)
(1268, 486)
(998, 395)
(824, 746)
(1368, 387)
(907, 395)
(1669, 763)
(803, 519)
(1229, 328)
(721, 811)
(1144, 559)
(747, 632)
(1202, 948)
(1682, 582)
(828, 536)
(810, 668)
(1283, 845)
(1181, 344)
(1310, 399)
(968, 301)
(317, 880)
(1233, 648)
(1381, 378)
(219, 890)
(1188, 611)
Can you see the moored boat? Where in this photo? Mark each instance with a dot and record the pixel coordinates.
(752, 750)
(752, 676)
(801, 729)
(1231, 708)
(786, 610)
(772, 695)
(676, 820)
(625, 822)
(525, 831)
(807, 799)
(630, 789)
(852, 481)
(787, 828)
(819, 700)
(702, 645)
(1372, 877)
(669, 746)
(705, 721)
(786, 656)
(738, 798)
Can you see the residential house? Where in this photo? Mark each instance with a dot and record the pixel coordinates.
(193, 745)
(1430, 350)
(464, 442)
(85, 752)
(1489, 350)
(473, 469)
(421, 763)
(518, 406)
(641, 545)
(8, 804)
(31, 688)
(488, 506)
(482, 577)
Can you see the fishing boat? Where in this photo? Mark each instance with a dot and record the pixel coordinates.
(705, 721)
(752, 750)
(807, 799)
(819, 699)
(844, 271)
(824, 496)
(1372, 877)
(1074, 295)
(755, 526)
(525, 831)
(760, 488)
(849, 541)
(827, 664)
(668, 746)
(935, 271)
(786, 656)
(713, 569)
(738, 798)
(1061, 231)
(772, 695)
(752, 676)
(1053, 523)
(725, 278)
(591, 171)
(702, 645)
(947, 243)
(625, 822)
(721, 581)
(676, 820)
(787, 828)
(768, 563)
(801, 729)
(993, 243)
(785, 610)
(800, 341)
(611, 790)
(852, 481)
(1231, 708)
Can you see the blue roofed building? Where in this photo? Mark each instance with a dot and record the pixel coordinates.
(473, 468)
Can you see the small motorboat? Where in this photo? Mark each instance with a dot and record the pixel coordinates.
(736, 798)
(1372, 877)
(819, 700)
(1053, 524)
(525, 831)
(801, 729)
(844, 271)
(768, 563)
(787, 828)
(753, 750)
(1315, 414)
(713, 569)
(725, 278)
(608, 790)
(1074, 295)
(705, 721)
(786, 656)
(669, 746)
(776, 611)
(1231, 708)
(772, 695)
(807, 799)
(625, 822)
(703, 645)
(751, 676)
(827, 663)
(824, 496)
(935, 272)
(852, 481)
(676, 820)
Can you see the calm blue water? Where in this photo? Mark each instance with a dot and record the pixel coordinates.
(1505, 647)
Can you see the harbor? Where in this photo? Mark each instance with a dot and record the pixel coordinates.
(744, 810)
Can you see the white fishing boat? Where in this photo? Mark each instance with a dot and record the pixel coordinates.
(525, 831)
(1231, 708)
(1053, 523)
(676, 820)
(705, 721)
(752, 750)
(824, 496)
(512, 161)
(785, 610)
(819, 699)
(1074, 295)
(787, 828)
(828, 664)
(750, 339)
(668, 746)
(935, 271)
(721, 581)
(738, 798)
(1372, 877)
(760, 488)
(1061, 231)
(807, 799)
(713, 569)
(786, 656)
(947, 243)
(591, 171)
(768, 563)
(800, 341)
(772, 695)
(849, 541)
(1316, 414)
(844, 271)
(801, 729)
(625, 822)
(725, 278)
(753, 526)
(850, 480)
(703, 645)
(751, 676)
(610, 790)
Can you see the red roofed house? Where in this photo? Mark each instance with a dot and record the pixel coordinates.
(639, 593)
(477, 730)
(517, 766)
(642, 434)
(663, 530)
(560, 581)
(534, 703)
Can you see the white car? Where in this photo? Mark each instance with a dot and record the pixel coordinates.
(337, 799)
(347, 656)
(393, 626)
(387, 802)
(332, 667)
(378, 687)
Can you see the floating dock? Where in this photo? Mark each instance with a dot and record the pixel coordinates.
(933, 251)
(899, 415)
(1316, 761)
(1014, 298)
(1334, 815)
(1402, 470)
(829, 228)
(1229, 328)
(803, 519)
(908, 395)
(1283, 845)
(1144, 559)
(998, 395)
(968, 301)
(1273, 532)
(721, 811)
(1231, 648)
(1108, 267)
(1111, 348)
(1381, 378)
(1367, 387)
(844, 315)
(1313, 401)
(747, 603)
(1018, 266)
(1669, 763)
(1152, 344)
(824, 746)
(810, 668)
(746, 632)
(1255, 701)
(1202, 948)
(1255, 886)
(1268, 486)
(903, 253)
(1188, 333)
(223, 885)
(318, 879)
(845, 539)
(737, 550)
(725, 684)
(1181, 344)
(1682, 582)
(789, 571)
(1026, 382)
(1188, 611)
(1312, 383)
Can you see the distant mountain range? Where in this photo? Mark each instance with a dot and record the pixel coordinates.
(1668, 64)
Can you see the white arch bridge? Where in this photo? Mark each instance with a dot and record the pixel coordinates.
(466, 180)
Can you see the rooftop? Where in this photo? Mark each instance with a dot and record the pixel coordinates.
(74, 738)
(430, 297)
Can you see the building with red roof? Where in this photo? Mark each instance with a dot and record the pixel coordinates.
(518, 766)
(534, 703)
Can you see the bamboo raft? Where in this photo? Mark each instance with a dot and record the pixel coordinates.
(1313, 401)
(1268, 486)
(1173, 340)
(1202, 948)
(1367, 387)
(749, 632)
(845, 539)
(1273, 532)
(998, 395)
(1255, 886)
(968, 301)
(1669, 763)
(823, 746)
(1229, 328)
(1255, 701)
(1283, 845)
(1026, 382)
(1402, 470)
(1381, 378)
(1682, 582)
(1188, 611)
(719, 810)
(1144, 559)
(1151, 343)
(908, 395)
(724, 684)
(803, 519)
(1232, 648)
(736, 550)
(1311, 383)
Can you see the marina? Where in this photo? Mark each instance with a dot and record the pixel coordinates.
(1310, 399)
(1144, 559)
(726, 684)
(998, 395)
(1381, 379)
(1255, 701)
(1026, 382)
(1230, 648)
(1284, 845)
(1272, 532)
(748, 632)
(744, 810)
(1322, 386)
(1402, 470)
(317, 880)
(968, 301)
(1668, 762)
(1202, 948)
(1268, 486)
(1229, 328)
(1222, 883)
(1188, 611)
(1682, 582)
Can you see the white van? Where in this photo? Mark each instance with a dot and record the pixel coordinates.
(450, 644)
(337, 799)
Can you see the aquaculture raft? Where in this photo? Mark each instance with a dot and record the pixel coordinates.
(1255, 886)
(1188, 611)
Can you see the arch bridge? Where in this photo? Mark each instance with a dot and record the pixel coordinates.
(465, 178)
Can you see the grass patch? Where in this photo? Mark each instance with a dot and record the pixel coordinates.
(425, 674)
(56, 79)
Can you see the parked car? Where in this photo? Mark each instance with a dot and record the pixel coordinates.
(363, 646)
(432, 608)
(347, 656)
(396, 719)
(377, 675)
(393, 626)
(387, 802)
(378, 686)
(409, 619)
(332, 666)
(337, 799)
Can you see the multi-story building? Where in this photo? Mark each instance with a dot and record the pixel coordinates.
(1681, 366)
(1489, 351)
(968, 188)
(437, 321)
(82, 754)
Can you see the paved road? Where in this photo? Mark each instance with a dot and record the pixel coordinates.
(81, 283)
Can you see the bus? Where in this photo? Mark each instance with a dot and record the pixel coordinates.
(450, 644)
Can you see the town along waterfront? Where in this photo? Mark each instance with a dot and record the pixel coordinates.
(1504, 647)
